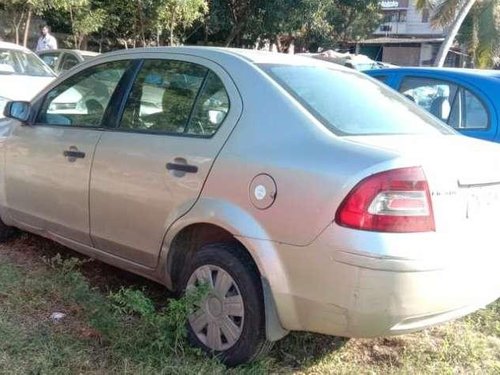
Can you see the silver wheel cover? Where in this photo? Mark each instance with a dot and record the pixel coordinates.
(218, 321)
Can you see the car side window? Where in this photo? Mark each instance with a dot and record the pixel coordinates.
(211, 108)
(81, 100)
(163, 96)
(476, 115)
(50, 59)
(435, 96)
(451, 103)
(68, 62)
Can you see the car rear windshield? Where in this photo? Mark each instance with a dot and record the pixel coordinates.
(349, 103)
(22, 63)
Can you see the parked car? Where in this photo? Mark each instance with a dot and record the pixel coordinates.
(306, 196)
(22, 74)
(465, 99)
(353, 61)
(61, 60)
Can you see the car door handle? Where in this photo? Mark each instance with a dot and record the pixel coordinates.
(185, 168)
(73, 154)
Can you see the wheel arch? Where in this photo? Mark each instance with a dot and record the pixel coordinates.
(201, 226)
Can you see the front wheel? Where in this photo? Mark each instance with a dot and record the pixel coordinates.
(230, 321)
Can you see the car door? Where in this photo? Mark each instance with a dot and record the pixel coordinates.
(48, 163)
(460, 105)
(151, 168)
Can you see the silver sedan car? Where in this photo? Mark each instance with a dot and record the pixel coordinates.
(307, 196)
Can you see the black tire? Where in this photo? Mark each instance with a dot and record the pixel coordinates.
(252, 343)
(6, 232)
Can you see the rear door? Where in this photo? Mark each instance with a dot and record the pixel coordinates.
(461, 105)
(150, 169)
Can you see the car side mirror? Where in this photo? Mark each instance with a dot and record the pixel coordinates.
(18, 111)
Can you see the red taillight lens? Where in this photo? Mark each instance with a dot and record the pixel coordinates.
(398, 200)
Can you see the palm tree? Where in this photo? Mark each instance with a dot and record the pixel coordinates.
(450, 13)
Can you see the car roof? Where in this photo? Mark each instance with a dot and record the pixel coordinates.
(13, 46)
(81, 52)
(450, 72)
(252, 56)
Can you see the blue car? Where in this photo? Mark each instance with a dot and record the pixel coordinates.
(467, 100)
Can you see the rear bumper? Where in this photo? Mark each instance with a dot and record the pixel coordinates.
(354, 294)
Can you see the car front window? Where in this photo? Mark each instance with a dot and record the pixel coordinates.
(22, 63)
(348, 103)
(82, 99)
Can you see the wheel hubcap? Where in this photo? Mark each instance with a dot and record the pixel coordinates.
(218, 321)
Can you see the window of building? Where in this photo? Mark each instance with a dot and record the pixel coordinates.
(395, 16)
(425, 15)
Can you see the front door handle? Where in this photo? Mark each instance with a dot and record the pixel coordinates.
(73, 153)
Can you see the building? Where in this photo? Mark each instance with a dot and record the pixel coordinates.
(405, 37)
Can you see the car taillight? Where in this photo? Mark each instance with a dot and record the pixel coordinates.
(398, 200)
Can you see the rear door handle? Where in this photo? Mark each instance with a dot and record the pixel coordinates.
(72, 154)
(185, 168)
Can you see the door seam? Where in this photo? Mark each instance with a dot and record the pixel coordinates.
(90, 186)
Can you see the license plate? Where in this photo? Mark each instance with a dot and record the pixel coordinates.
(482, 203)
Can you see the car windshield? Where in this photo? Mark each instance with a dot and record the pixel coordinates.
(22, 63)
(349, 103)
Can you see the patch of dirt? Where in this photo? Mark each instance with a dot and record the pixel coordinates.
(378, 351)
(29, 251)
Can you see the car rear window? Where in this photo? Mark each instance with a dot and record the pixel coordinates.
(349, 103)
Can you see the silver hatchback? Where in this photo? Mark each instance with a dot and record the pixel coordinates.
(307, 196)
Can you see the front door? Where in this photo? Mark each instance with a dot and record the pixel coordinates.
(150, 169)
(48, 164)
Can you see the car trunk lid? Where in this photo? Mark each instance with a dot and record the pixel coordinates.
(463, 175)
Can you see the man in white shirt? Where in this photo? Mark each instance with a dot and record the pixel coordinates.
(46, 41)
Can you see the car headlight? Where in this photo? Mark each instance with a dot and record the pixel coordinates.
(3, 102)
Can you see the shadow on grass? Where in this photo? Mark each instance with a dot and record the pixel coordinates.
(300, 350)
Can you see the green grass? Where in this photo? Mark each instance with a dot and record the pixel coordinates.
(117, 323)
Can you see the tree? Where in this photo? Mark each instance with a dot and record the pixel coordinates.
(15, 12)
(353, 19)
(19, 13)
(314, 23)
(447, 13)
(83, 17)
(178, 14)
(480, 33)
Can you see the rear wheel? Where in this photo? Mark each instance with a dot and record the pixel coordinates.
(230, 321)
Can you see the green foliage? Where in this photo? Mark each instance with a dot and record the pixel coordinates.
(178, 14)
(167, 328)
(132, 23)
(128, 301)
(126, 333)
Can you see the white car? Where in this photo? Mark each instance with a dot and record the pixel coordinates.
(22, 74)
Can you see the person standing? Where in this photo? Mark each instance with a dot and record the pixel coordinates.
(46, 40)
